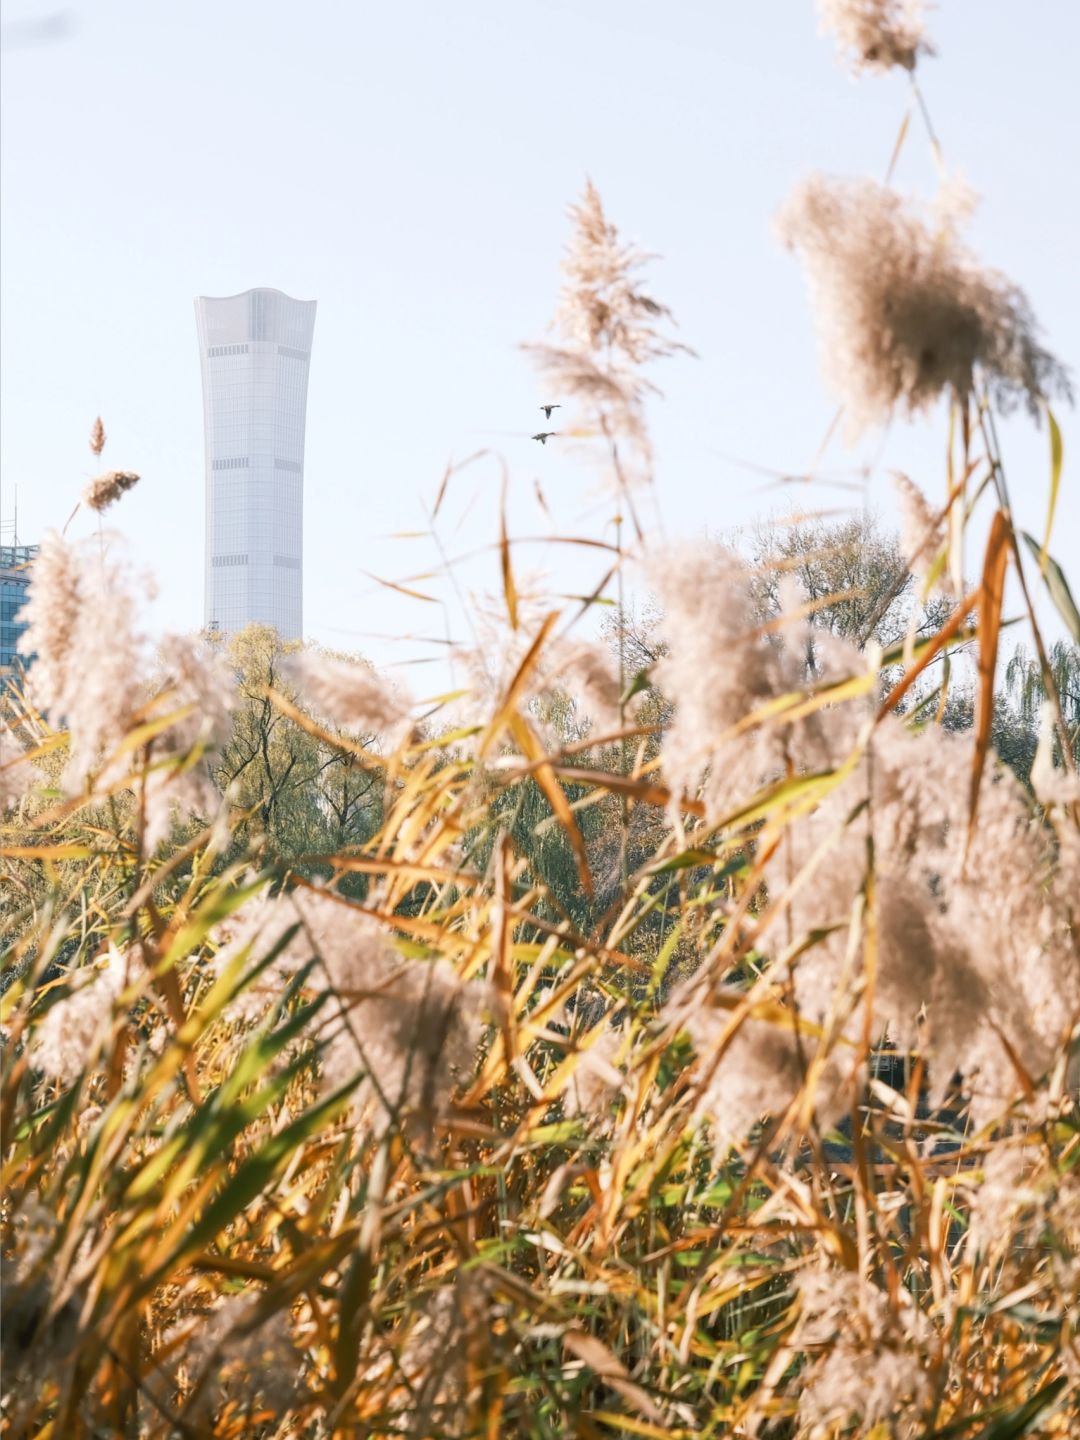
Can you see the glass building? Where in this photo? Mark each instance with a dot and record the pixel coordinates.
(255, 350)
(15, 563)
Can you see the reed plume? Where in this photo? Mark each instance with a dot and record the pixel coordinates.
(922, 533)
(351, 696)
(610, 328)
(106, 489)
(907, 314)
(876, 35)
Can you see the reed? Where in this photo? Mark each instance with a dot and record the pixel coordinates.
(687, 1045)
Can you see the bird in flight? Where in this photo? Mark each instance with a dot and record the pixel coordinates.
(543, 436)
(547, 409)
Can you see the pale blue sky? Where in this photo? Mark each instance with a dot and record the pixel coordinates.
(408, 165)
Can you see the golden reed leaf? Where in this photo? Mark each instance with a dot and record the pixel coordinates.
(990, 599)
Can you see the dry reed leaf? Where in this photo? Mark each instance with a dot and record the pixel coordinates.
(545, 777)
(798, 704)
(538, 492)
(596, 1355)
(952, 627)
(900, 138)
(387, 865)
(642, 790)
(1058, 587)
(991, 595)
(1027, 1084)
(320, 732)
(502, 946)
(441, 496)
(451, 470)
(516, 688)
(401, 589)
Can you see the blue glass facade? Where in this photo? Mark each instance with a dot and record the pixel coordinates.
(15, 569)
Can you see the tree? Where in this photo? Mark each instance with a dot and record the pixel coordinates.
(857, 574)
(304, 795)
(1025, 688)
(854, 569)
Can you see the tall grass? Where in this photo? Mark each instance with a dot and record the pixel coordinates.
(684, 1048)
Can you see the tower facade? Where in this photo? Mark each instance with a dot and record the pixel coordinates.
(255, 350)
(15, 567)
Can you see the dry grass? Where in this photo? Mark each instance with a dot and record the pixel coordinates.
(709, 1076)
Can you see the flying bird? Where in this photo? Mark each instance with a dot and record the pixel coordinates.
(547, 409)
(543, 436)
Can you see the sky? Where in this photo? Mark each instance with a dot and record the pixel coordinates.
(409, 167)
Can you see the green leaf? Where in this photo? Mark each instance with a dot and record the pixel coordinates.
(219, 907)
(716, 1195)
(1057, 452)
(250, 1180)
(795, 795)
(1058, 587)
(640, 682)
(685, 860)
(1022, 1420)
(227, 1111)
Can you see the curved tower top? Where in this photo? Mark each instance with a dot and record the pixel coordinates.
(255, 350)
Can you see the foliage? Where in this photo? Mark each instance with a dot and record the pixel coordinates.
(490, 1072)
(300, 794)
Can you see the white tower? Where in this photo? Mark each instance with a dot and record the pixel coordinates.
(255, 350)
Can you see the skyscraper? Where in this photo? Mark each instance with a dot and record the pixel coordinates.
(15, 563)
(255, 350)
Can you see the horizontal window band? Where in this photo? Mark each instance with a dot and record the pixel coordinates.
(245, 462)
(287, 562)
(230, 560)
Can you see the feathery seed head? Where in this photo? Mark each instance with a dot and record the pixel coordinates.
(259, 927)
(413, 1030)
(978, 937)
(235, 1354)
(584, 670)
(610, 328)
(448, 1346)
(196, 678)
(97, 436)
(410, 1027)
(760, 1071)
(595, 1080)
(351, 696)
(906, 313)
(601, 309)
(718, 666)
(15, 772)
(100, 493)
(106, 670)
(87, 674)
(922, 533)
(868, 1362)
(876, 35)
(51, 613)
(73, 1028)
